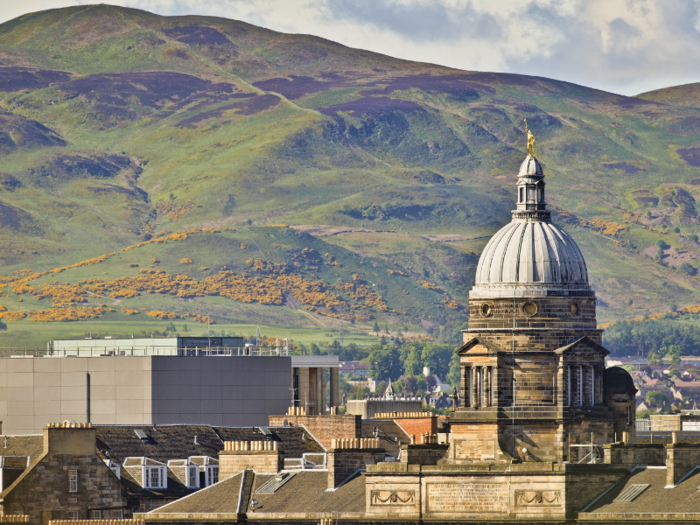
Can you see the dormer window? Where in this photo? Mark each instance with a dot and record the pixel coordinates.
(186, 471)
(152, 474)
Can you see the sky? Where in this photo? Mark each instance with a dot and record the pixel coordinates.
(622, 46)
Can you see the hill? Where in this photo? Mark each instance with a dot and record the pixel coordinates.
(121, 127)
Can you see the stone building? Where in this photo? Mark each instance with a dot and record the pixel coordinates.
(532, 364)
(66, 481)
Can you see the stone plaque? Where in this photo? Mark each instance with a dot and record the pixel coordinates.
(467, 497)
(393, 497)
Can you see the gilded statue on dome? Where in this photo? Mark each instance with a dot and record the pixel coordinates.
(530, 141)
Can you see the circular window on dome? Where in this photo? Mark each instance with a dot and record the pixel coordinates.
(529, 309)
(575, 309)
(486, 310)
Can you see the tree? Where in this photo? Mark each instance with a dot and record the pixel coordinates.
(385, 362)
(453, 376)
(376, 328)
(412, 358)
(654, 397)
(688, 268)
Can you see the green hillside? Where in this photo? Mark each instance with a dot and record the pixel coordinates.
(121, 127)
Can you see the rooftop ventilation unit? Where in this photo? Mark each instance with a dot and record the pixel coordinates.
(265, 431)
(141, 434)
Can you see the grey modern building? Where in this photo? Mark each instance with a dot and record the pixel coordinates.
(138, 390)
(171, 380)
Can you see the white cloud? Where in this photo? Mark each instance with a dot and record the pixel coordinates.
(626, 46)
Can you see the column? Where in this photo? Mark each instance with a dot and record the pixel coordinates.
(322, 401)
(580, 385)
(475, 386)
(465, 386)
(495, 387)
(593, 386)
(568, 386)
(487, 386)
(335, 387)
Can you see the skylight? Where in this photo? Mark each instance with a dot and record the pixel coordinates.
(630, 493)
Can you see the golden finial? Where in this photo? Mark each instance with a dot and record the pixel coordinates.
(530, 141)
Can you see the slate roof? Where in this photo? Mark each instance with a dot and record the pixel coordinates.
(31, 445)
(219, 498)
(306, 492)
(178, 441)
(172, 442)
(684, 498)
(391, 435)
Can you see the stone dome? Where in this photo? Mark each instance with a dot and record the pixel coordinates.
(531, 256)
(617, 380)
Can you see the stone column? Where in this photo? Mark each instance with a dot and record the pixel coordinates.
(495, 386)
(580, 386)
(560, 383)
(475, 386)
(466, 386)
(487, 386)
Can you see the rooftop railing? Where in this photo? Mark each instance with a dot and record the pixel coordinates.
(108, 351)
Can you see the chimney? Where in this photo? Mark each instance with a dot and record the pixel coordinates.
(69, 438)
(260, 456)
(681, 458)
(347, 455)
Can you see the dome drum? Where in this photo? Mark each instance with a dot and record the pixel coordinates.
(561, 312)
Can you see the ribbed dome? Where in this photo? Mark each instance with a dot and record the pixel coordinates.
(531, 252)
(531, 256)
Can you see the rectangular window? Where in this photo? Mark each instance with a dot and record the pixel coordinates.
(73, 481)
(118, 514)
(73, 515)
(192, 477)
(629, 416)
(95, 514)
(154, 481)
(212, 475)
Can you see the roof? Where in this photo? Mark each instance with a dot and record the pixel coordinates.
(219, 498)
(167, 442)
(684, 498)
(352, 365)
(305, 492)
(31, 445)
(391, 435)
(617, 380)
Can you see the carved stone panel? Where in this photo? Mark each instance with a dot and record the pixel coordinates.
(537, 498)
(393, 497)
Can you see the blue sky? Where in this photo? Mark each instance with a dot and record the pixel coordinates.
(623, 46)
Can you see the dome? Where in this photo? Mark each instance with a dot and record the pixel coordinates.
(531, 252)
(530, 167)
(531, 256)
(617, 380)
